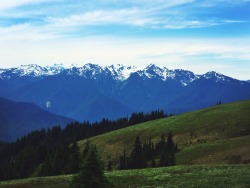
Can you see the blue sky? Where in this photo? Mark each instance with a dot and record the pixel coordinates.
(197, 35)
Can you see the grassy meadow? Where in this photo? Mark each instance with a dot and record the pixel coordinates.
(213, 151)
(228, 176)
(215, 135)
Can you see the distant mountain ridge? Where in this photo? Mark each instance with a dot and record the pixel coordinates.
(18, 119)
(92, 92)
(92, 71)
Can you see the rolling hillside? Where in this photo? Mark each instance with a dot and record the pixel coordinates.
(19, 118)
(208, 139)
(207, 176)
(215, 135)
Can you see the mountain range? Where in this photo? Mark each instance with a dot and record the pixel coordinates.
(92, 92)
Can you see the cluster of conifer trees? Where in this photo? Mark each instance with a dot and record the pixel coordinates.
(91, 172)
(53, 149)
(65, 160)
(145, 155)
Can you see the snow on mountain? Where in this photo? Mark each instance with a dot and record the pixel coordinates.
(120, 72)
(217, 76)
(185, 77)
(53, 70)
(90, 71)
(117, 72)
(31, 70)
(91, 92)
(153, 71)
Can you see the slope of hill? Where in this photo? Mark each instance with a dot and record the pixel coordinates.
(18, 119)
(218, 134)
(116, 91)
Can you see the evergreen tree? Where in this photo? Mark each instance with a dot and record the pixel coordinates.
(91, 173)
(48, 168)
(148, 150)
(86, 150)
(171, 149)
(164, 160)
(73, 164)
(171, 157)
(170, 142)
(168, 152)
(123, 161)
(136, 158)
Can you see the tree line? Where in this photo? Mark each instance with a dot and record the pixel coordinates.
(54, 146)
(145, 155)
(91, 170)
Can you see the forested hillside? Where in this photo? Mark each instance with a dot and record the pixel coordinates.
(52, 146)
(218, 134)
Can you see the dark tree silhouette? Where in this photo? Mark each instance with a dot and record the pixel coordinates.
(146, 155)
(50, 147)
(72, 165)
(136, 158)
(86, 150)
(123, 161)
(91, 173)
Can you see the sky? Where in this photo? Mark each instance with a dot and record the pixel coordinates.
(196, 35)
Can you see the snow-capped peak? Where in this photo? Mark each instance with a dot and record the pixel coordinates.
(153, 71)
(185, 76)
(120, 72)
(54, 69)
(213, 74)
(32, 69)
(117, 72)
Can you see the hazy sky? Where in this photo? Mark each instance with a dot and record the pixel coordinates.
(197, 35)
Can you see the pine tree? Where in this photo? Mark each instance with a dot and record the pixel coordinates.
(170, 143)
(91, 173)
(75, 157)
(73, 164)
(136, 157)
(164, 160)
(171, 150)
(147, 150)
(86, 150)
(123, 161)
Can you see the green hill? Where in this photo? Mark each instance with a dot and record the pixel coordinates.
(215, 135)
(208, 139)
(206, 176)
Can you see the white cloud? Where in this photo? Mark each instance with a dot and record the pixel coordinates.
(136, 17)
(25, 32)
(53, 37)
(6, 4)
(101, 17)
(199, 56)
(159, 14)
